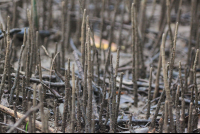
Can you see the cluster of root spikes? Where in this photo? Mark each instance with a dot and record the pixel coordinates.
(81, 89)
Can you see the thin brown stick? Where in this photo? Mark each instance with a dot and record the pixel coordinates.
(160, 125)
(83, 31)
(120, 29)
(158, 75)
(89, 108)
(65, 110)
(17, 93)
(163, 13)
(30, 119)
(44, 14)
(173, 55)
(101, 108)
(196, 89)
(166, 84)
(9, 43)
(85, 83)
(133, 56)
(28, 58)
(28, 97)
(130, 122)
(118, 98)
(50, 22)
(34, 104)
(78, 86)
(56, 117)
(142, 27)
(23, 94)
(93, 124)
(195, 80)
(46, 121)
(73, 100)
(40, 88)
(63, 34)
(172, 125)
(54, 109)
(142, 20)
(44, 48)
(169, 22)
(177, 120)
(190, 119)
(15, 110)
(136, 46)
(198, 38)
(15, 13)
(17, 73)
(93, 49)
(85, 91)
(6, 58)
(181, 81)
(182, 118)
(106, 65)
(102, 23)
(112, 25)
(177, 96)
(179, 11)
(68, 33)
(191, 31)
(98, 68)
(112, 98)
(78, 63)
(149, 94)
(165, 126)
(52, 65)
(157, 109)
(32, 29)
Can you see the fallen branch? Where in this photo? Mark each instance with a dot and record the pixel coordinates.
(12, 125)
(22, 117)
